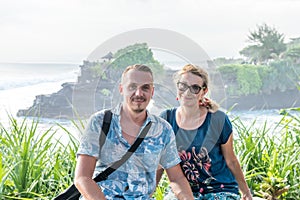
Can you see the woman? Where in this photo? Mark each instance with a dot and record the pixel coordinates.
(204, 140)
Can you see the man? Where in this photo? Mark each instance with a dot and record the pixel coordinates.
(135, 179)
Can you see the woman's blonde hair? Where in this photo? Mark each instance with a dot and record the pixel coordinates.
(198, 71)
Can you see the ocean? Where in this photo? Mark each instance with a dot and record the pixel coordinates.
(20, 83)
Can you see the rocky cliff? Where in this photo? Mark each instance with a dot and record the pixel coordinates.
(91, 93)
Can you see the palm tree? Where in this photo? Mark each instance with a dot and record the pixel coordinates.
(268, 44)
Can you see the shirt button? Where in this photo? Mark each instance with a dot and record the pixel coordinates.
(126, 188)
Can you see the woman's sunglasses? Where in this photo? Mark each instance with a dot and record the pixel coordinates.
(195, 89)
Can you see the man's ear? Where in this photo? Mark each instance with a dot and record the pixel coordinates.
(121, 89)
(152, 92)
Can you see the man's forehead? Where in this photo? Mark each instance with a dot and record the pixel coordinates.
(141, 83)
(139, 77)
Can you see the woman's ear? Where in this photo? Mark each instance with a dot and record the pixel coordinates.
(205, 91)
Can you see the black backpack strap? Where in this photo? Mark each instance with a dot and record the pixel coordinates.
(105, 127)
(103, 175)
(168, 115)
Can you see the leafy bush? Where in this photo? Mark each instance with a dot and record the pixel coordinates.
(241, 79)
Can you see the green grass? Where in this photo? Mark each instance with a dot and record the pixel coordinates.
(34, 165)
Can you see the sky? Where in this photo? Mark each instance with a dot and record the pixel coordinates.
(67, 31)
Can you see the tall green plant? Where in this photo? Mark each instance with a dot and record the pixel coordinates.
(270, 158)
(36, 165)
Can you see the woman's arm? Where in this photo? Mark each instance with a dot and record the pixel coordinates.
(179, 184)
(235, 168)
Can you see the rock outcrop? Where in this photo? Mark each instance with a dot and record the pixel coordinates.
(91, 93)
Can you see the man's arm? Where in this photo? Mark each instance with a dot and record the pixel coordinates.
(179, 183)
(83, 178)
(159, 173)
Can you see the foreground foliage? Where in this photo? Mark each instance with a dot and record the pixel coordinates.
(270, 157)
(35, 165)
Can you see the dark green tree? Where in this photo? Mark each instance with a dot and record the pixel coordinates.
(138, 53)
(266, 44)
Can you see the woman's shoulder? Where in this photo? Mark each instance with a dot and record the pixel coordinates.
(219, 112)
(219, 115)
(164, 114)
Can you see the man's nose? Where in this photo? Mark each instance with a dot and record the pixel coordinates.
(138, 91)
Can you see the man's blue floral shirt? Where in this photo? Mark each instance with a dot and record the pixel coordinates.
(136, 178)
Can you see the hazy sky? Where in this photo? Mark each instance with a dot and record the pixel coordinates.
(67, 31)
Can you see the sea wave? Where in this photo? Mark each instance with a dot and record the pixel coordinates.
(15, 75)
(16, 82)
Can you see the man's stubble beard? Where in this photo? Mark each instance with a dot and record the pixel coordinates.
(138, 110)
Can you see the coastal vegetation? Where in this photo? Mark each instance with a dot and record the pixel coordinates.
(270, 65)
